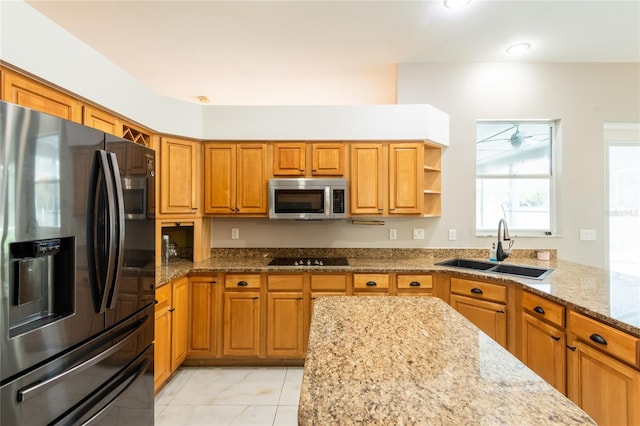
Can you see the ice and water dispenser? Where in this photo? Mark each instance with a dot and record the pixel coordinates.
(42, 277)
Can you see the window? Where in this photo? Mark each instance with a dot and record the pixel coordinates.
(514, 176)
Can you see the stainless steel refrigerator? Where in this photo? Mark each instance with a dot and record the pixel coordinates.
(78, 272)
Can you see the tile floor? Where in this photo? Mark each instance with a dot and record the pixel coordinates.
(242, 396)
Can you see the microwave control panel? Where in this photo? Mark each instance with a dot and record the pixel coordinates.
(338, 201)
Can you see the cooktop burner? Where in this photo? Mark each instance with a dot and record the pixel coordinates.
(313, 261)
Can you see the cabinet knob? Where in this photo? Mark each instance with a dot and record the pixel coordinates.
(414, 284)
(476, 290)
(242, 283)
(598, 339)
(539, 310)
(371, 284)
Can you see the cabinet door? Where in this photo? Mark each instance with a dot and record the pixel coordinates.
(162, 337)
(405, 178)
(31, 94)
(201, 336)
(367, 179)
(285, 326)
(179, 177)
(219, 178)
(607, 389)
(489, 317)
(327, 159)
(179, 300)
(544, 350)
(241, 324)
(251, 195)
(101, 120)
(289, 159)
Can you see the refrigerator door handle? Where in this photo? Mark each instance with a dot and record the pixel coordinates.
(42, 385)
(118, 203)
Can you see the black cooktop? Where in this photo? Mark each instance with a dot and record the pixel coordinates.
(309, 261)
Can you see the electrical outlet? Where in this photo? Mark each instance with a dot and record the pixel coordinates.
(588, 234)
(418, 234)
(452, 234)
(235, 233)
(393, 234)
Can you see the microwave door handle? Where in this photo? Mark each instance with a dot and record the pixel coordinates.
(118, 206)
(328, 207)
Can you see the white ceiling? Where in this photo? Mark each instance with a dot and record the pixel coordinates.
(309, 52)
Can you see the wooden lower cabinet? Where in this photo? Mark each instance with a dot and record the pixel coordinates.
(489, 317)
(162, 337)
(285, 327)
(544, 350)
(204, 315)
(371, 284)
(603, 371)
(170, 335)
(607, 389)
(241, 328)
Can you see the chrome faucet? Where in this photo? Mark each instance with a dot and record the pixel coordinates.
(502, 254)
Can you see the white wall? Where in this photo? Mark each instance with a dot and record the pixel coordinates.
(582, 96)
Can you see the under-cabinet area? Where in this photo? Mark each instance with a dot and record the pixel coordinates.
(264, 317)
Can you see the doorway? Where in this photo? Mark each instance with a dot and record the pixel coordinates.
(623, 166)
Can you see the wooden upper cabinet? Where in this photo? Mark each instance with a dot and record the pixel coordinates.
(251, 195)
(235, 180)
(327, 159)
(405, 178)
(179, 176)
(31, 94)
(219, 178)
(289, 159)
(101, 120)
(367, 189)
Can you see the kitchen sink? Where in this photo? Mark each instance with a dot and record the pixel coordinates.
(500, 268)
(468, 264)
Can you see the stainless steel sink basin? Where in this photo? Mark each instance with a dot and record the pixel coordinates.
(500, 268)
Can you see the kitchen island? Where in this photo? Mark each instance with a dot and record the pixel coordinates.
(415, 360)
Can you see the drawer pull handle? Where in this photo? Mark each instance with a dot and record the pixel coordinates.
(500, 312)
(172, 309)
(414, 284)
(242, 283)
(255, 298)
(371, 284)
(555, 338)
(572, 348)
(598, 339)
(476, 290)
(212, 282)
(539, 310)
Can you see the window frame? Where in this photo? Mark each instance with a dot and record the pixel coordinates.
(553, 177)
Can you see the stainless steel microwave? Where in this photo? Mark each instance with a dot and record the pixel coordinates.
(308, 199)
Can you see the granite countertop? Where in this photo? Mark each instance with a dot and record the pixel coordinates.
(414, 360)
(611, 297)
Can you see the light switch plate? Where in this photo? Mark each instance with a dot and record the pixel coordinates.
(452, 235)
(587, 234)
(418, 234)
(235, 233)
(393, 234)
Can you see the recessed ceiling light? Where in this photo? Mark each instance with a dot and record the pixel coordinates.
(456, 4)
(203, 99)
(518, 48)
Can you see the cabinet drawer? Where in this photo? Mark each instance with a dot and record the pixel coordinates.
(607, 339)
(415, 282)
(370, 281)
(544, 308)
(328, 282)
(285, 282)
(479, 289)
(240, 281)
(163, 297)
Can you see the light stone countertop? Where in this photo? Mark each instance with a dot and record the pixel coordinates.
(415, 360)
(610, 297)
